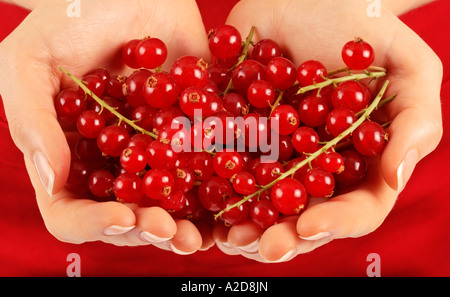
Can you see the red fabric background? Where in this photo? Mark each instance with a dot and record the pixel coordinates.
(413, 241)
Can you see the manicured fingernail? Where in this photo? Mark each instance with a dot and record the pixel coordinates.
(251, 247)
(406, 168)
(177, 251)
(45, 172)
(317, 236)
(152, 238)
(116, 230)
(284, 258)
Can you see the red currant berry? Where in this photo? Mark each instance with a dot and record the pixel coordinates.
(77, 181)
(128, 53)
(133, 159)
(128, 187)
(313, 111)
(351, 94)
(158, 183)
(202, 165)
(261, 94)
(114, 87)
(299, 173)
(244, 183)
(358, 54)
(267, 172)
(331, 161)
(133, 88)
(225, 42)
(94, 83)
(112, 140)
(289, 196)
(174, 202)
(235, 215)
(189, 71)
(90, 124)
(305, 140)
(184, 179)
(245, 73)
(213, 191)
(192, 99)
(235, 104)
(151, 53)
(287, 117)
(311, 72)
(369, 139)
(339, 120)
(256, 130)
(160, 90)
(161, 155)
(319, 183)
(101, 183)
(69, 104)
(141, 140)
(281, 73)
(226, 163)
(265, 50)
(166, 117)
(355, 169)
(264, 213)
(143, 116)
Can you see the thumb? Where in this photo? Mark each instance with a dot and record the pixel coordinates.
(28, 88)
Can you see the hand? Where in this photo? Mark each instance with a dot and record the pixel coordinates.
(30, 79)
(317, 30)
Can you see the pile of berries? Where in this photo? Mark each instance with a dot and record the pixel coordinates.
(135, 133)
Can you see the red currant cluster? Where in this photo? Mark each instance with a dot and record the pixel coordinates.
(128, 149)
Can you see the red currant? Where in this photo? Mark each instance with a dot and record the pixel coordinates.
(265, 50)
(192, 99)
(225, 42)
(331, 161)
(128, 53)
(287, 117)
(161, 155)
(101, 183)
(112, 140)
(235, 104)
(369, 139)
(69, 104)
(213, 191)
(160, 90)
(264, 213)
(267, 172)
(133, 159)
(311, 72)
(339, 120)
(281, 73)
(173, 202)
(189, 71)
(244, 183)
(245, 73)
(289, 196)
(90, 124)
(313, 111)
(260, 94)
(305, 140)
(355, 169)
(227, 163)
(128, 187)
(151, 53)
(351, 94)
(237, 214)
(319, 182)
(184, 178)
(158, 183)
(358, 54)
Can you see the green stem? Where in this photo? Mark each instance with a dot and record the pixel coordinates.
(338, 80)
(103, 104)
(314, 155)
(242, 58)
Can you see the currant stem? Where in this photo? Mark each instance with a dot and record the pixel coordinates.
(346, 69)
(275, 104)
(242, 58)
(103, 105)
(341, 79)
(314, 155)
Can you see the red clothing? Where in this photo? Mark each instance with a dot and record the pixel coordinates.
(413, 241)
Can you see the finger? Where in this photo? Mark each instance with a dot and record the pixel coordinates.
(32, 120)
(206, 231)
(155, 223)
(187, 240)
(81, 220)
(416, 128)
(245, 236)
(352, 214)
(220, 236)
(279, 242)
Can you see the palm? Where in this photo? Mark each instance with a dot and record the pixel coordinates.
(318, 30)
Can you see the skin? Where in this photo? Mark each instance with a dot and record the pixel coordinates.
(359, 212)
(82, 44)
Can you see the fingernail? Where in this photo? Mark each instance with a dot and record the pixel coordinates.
(284, 258)
(406, 168)
(116, 230)
(45, 171)
(317, 236)
(251, 247)
(152, 238)
(177, 251)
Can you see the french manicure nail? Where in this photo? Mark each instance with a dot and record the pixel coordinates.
(406, 168)
(45, 171)
(177, 251)
(251, 247)
(152, 238)
(285, 257)
(116, 230)
(317, 236)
